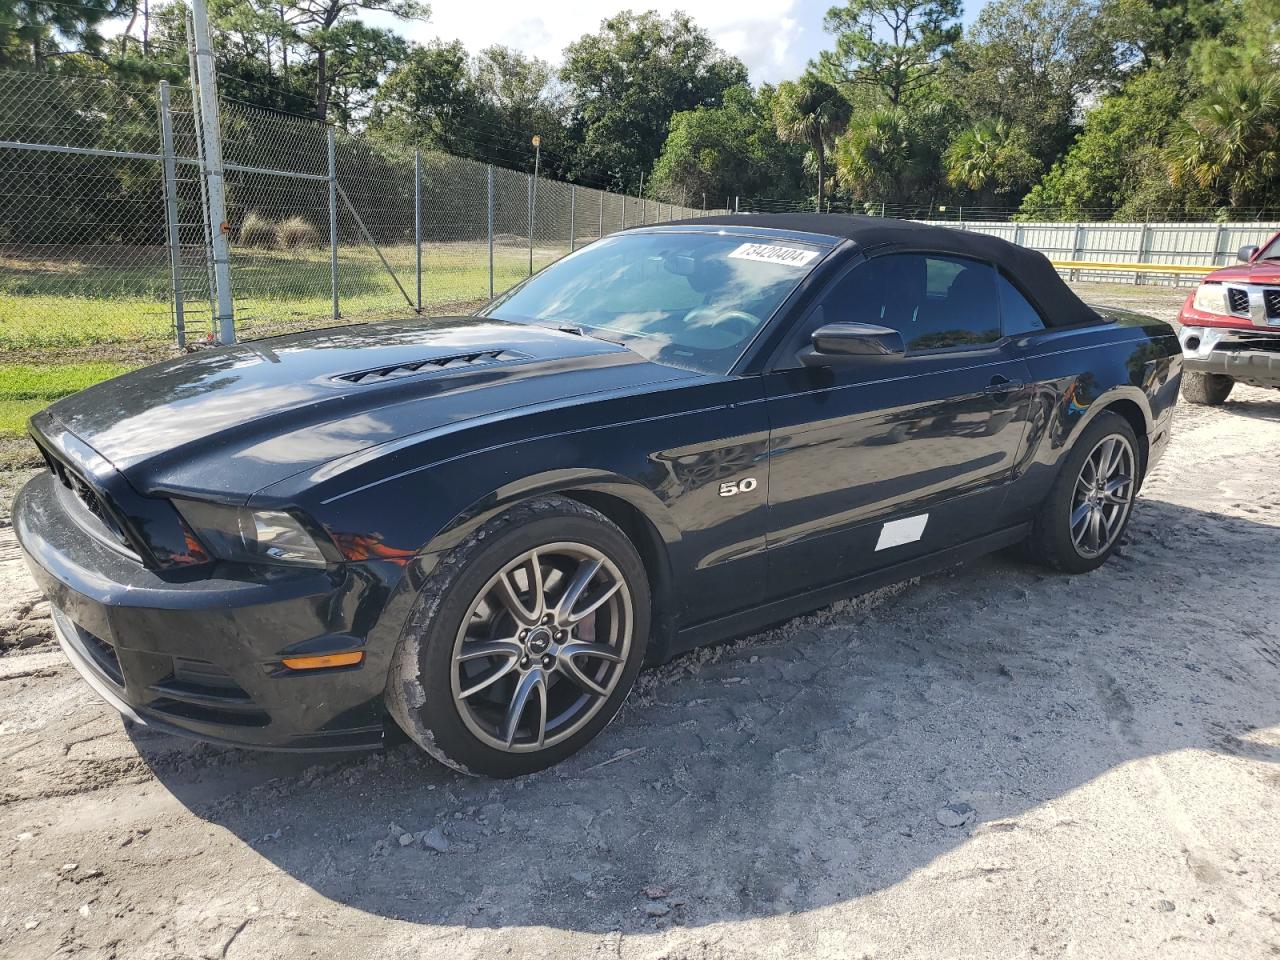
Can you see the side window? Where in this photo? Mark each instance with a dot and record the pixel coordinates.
(1016, 314)
(935, 301)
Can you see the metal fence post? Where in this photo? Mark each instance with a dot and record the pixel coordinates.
(213, 173)
(333, 220)
(198, 130)
(531, 212)
(573, 210)
(171, 213)
(1075, 252)
(624, 211)
(1142, 252)
(490, 178)
(417, 219)
(600, 224)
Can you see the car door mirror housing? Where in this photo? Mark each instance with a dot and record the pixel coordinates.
(1246, 253)
(836, 343)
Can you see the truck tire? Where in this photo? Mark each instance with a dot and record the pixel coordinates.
(1206, 389)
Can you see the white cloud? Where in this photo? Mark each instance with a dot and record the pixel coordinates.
(774, 40)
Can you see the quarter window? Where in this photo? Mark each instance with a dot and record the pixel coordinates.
(1016, 314)
(936, 302)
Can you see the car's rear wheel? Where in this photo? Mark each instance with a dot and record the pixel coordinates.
(1082, 520)
(524, 641)
(1206, 389)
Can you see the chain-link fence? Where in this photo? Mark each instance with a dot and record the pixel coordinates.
(104, 232)
(84, 229)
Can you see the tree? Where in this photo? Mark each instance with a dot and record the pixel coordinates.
(432, 100)
(890, 47)
(1168, 29)
(1117, 158)
(626, 80)
(714, 152)
(1229, 141)
(893, 153)
(329, 30)
(523, 97)
(992, 156)
(36, 31)
(1032, 62)
(1246, 41)
(812, 112)
(358, 58)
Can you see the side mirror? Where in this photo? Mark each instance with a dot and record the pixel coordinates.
(1245, 254)
(836, 343)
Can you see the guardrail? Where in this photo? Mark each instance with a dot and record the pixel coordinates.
(1163, 269)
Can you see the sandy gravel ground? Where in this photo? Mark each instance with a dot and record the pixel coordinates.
(994, 762)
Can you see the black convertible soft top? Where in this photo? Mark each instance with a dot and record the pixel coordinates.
(1029, 269)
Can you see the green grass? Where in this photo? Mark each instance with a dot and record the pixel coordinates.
(85, 296)
(114, 302)
(26, 388)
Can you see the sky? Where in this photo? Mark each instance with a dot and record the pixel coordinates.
(774, 39)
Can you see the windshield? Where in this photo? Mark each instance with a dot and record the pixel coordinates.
(691, 300)
(1271, 251)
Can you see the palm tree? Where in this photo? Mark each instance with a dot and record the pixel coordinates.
(891, 152)
(993, 154)
(1229, 140)
(810, 111)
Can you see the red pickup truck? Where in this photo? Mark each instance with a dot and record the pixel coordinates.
(1230, 327)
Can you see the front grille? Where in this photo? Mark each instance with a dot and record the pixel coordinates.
(394, 371)
(1238, 301)
(1271, 297)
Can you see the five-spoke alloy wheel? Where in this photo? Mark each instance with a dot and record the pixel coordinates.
(524, 640)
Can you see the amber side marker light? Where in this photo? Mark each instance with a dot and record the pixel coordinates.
(328, 660)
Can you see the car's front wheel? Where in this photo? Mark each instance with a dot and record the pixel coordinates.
(1087, 510)
(524, 641)
(1206, 389)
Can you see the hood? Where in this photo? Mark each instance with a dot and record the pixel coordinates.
(1260, 271)
(231, 420)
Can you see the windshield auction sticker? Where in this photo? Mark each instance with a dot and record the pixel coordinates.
(768, 253)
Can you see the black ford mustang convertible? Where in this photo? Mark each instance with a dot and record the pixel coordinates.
(485, 525)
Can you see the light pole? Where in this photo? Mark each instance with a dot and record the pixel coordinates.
(533, 194)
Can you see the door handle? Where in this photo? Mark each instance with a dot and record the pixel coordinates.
(1001, 385)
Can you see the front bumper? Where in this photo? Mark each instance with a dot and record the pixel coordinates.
(202, 657)
(1242, 355)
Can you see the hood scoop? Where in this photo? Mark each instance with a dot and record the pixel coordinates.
(458, 361)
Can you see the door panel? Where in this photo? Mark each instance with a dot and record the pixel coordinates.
(896, 438)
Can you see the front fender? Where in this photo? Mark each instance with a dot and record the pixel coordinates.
(564, 481)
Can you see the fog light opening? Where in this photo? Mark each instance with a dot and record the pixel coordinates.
(1192, 343)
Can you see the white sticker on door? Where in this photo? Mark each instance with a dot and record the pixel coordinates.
(768, 253)
(897, 532)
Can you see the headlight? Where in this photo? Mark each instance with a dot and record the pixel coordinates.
(1211, 298)
(251, 536)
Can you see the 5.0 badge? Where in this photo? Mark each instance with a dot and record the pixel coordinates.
(745, 485)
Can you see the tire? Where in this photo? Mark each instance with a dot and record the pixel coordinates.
(474, 653)
(1058, 539)
(1206, 389)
